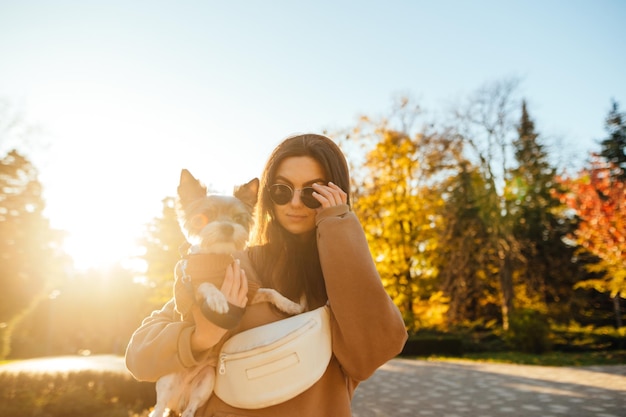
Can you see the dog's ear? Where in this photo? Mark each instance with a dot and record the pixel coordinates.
(189, 188)
(248, 193)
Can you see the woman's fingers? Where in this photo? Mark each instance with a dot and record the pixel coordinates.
(227, 285)
(235, 285)
(242, 297)
(330, 195)
(236, 278)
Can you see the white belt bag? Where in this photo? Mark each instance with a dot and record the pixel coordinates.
(273, 363)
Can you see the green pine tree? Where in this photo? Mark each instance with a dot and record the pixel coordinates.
(467, 258)
(546, 272)
(614, 146)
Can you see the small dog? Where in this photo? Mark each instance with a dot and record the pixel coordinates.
(218, 225)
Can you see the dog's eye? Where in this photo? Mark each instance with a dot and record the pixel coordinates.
(199, 221)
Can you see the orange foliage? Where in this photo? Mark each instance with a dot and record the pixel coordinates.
(598, 197)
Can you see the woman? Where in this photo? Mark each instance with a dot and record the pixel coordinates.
(309, 246)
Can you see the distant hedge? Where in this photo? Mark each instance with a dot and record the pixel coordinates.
(74, 394)
(433, 345)
(525, 336)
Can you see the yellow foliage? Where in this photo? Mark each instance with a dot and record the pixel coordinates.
(431, 313)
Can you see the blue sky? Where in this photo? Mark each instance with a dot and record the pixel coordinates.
(128, 93)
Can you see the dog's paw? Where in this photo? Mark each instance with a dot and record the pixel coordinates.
(281, 302)
(213, 298)
(218, 304)
(290, 307)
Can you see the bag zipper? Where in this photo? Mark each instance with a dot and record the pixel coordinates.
(224, 356)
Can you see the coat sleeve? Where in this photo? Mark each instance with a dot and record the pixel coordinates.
(367, 327)
(161, 345)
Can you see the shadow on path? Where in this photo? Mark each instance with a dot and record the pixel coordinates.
(406, 387)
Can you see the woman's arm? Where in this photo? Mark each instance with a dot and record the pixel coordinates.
(368, 329)
(164, 343)
(161, 345)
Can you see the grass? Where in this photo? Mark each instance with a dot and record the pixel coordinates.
(613, 357)
(77, 394)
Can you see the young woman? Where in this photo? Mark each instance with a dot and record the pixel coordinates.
(309, 246)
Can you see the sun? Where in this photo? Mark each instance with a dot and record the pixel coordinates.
(101, 248)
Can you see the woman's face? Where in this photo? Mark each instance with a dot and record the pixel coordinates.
(297, 172)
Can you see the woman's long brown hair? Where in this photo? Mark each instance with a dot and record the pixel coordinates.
(282, 260)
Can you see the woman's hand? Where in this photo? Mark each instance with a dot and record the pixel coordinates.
(235, 285)
(329, 195)
(235, 288)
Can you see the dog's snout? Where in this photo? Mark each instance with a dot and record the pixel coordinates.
(227, 229)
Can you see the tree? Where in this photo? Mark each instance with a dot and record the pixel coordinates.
(394, 201)
(547, 273)
(598, 199)
(395, 218)
(614, 146)
(485, 126)
(15, 131)
(162, 249)
(30, 250)
(468, 262)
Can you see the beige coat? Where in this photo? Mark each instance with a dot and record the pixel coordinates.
(367, 328)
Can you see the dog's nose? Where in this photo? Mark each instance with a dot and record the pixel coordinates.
(227, 229)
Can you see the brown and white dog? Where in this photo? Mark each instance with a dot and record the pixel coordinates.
(216, 226)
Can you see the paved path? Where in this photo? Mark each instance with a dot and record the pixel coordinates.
(107, 363)
(416, 388)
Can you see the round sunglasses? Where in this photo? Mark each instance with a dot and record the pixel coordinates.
(282, 194)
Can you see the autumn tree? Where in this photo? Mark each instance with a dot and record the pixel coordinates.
(599, 200)
(597, 195)
(394, 201)
(395, 218)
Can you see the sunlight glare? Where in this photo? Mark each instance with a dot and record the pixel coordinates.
(100, 249)
(82, 362)
(110, 186)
